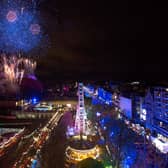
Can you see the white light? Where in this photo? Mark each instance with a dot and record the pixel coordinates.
(135, 83)
(163, 147)
(144, 111)
(98, 114)
(69, 105)
(143, 114)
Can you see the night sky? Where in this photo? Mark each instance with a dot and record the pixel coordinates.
(104, 40)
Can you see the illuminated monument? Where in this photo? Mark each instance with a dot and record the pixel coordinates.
(81, 117)
(79, 146)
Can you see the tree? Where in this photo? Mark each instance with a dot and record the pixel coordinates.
(89, 163)
(120, 140)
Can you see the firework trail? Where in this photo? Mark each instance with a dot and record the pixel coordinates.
(29, 65)
(13, 68)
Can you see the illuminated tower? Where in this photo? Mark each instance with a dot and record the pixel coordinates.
(80, 121)
(81, 146)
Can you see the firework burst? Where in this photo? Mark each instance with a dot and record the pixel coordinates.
(20, 28)
(14, 68)
(12, 71)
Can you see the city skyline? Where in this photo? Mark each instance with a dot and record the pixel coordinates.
(83, 84)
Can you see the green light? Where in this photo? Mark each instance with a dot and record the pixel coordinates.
(108, 166)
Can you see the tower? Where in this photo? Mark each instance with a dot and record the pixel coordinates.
(81, 117)
(80, 146)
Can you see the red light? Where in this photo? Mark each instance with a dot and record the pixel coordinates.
(11, 16)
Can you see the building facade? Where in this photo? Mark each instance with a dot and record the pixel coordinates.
(131, 106)
(148, 109)
(160, 110)
(156, 106)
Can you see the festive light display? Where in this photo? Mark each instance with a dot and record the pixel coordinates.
(20, 29)
(86, 149)
(81, 117)
(29, 65)
(15, 67)
(99, 95)
(105, 96)
(11, 70)
(75, 155)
